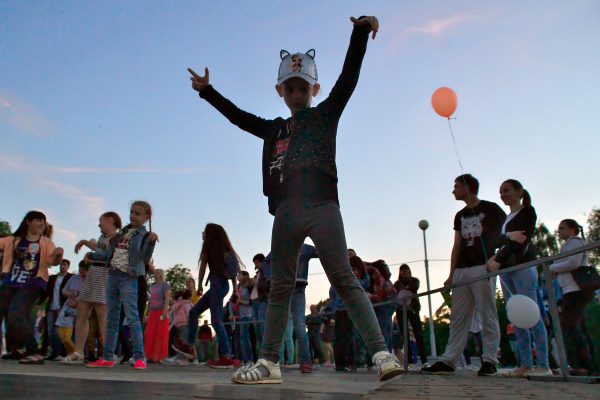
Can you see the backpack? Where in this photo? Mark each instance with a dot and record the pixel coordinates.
(231, 266)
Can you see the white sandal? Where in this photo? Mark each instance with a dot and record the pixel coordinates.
(73, 358)
(251, 374)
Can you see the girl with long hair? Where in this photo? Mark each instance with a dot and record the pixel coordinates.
(579, 343)
(223, 264)
(28, 254)
(516, 248)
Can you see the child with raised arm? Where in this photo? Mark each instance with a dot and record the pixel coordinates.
(300, 180)
(93, 290)
(126, 256)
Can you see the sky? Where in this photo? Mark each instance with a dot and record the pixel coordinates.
(97, 110)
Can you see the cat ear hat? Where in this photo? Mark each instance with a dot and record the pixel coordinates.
(298, 65)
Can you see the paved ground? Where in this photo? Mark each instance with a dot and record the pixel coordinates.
(468, 386)
(55, 381)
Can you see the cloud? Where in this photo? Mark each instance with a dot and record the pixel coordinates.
(93, 205)
(22, 164)
(435, 28)
(143, 169)
(24, 116)
(70, 236)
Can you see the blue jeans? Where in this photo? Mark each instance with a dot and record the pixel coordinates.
(259, 313)
(57, 347)
(122, 289)
(297, 308)
(287, 342)
(384, 315)
(525, 282)
(245, 343)
(213, 300)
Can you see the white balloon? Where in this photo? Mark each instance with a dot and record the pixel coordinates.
(523, 312)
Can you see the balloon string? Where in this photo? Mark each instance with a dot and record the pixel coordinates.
(455, 147)
(462, 172)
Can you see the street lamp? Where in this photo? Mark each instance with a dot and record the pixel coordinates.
(423, 224)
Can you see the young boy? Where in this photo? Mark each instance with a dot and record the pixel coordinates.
(300, 180)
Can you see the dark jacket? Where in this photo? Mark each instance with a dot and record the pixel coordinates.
(411, 284)
(50, 289)
(512, 253)
(311, 151)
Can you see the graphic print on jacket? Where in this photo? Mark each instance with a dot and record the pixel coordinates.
(280, 150)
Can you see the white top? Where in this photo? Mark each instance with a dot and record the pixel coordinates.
(509, 218)
(564, 266)
(56, 294)
(120, 259)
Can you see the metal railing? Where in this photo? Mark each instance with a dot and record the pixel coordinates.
(552, 303)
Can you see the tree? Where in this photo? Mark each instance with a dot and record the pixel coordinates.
(544, 242)
(593, 234)
(5, 229)
(176, 277)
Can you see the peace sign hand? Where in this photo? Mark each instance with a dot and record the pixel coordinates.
(199, 83)
(371, 21)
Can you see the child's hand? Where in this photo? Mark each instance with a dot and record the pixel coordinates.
(199, 82)
(371, 21)
(152, 237)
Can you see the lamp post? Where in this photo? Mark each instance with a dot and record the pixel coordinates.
(423, 224)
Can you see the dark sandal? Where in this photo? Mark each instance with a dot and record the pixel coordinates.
(34, 359)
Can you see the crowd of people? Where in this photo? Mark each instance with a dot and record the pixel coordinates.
(108, 312)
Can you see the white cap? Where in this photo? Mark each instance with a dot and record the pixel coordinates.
(299, 65)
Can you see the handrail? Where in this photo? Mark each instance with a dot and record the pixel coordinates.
(518, 267)
(544, 261)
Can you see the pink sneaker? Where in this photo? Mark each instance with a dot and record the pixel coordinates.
(100, 363)
(224, 362)
(306, 367)
(139, 364)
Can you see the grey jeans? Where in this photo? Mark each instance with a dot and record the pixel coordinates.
(322, 222)
(465, 299)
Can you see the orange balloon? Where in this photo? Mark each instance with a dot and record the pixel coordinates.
(444, 101)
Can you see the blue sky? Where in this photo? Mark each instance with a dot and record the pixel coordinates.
(96, 111)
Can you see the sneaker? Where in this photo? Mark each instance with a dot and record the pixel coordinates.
(519, 372)
(487, 369)
(426, 365)
(139, 364)
(388, 365)
(263, 372)
(101, 364)
(439, 368)
(306, 367)
(540, 372)
(186, 350)
(224, 363)
(73, 358)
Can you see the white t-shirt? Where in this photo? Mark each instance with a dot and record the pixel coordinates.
(120, 259)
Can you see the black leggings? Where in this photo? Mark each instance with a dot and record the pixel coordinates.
(314, 342)
(16, 307)
(415, 321)
(579, 344)
(343, 332)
